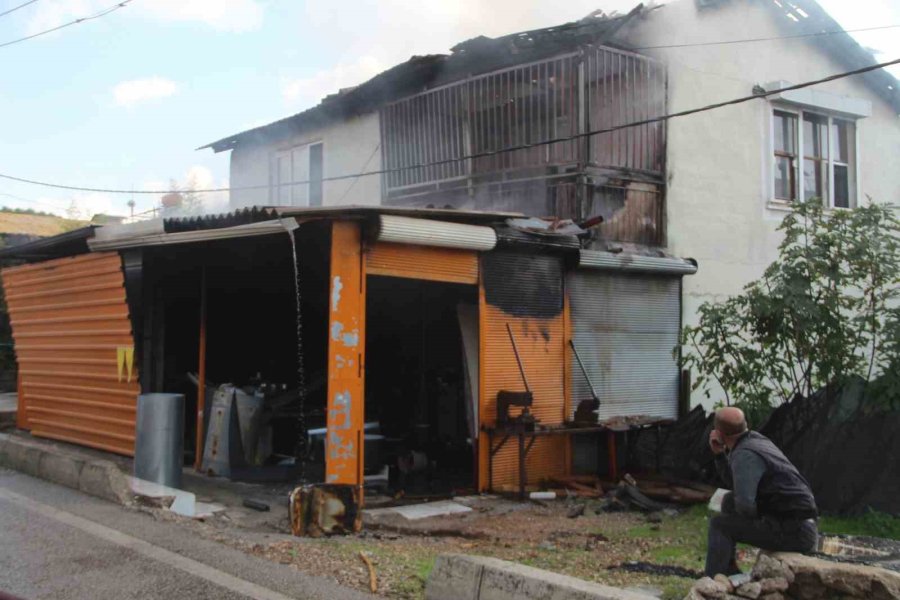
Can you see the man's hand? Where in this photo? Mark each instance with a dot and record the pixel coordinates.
(716, 442)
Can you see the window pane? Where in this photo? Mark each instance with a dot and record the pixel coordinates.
(815, 136)
(315, 175)
(815, 179)
(785, 132)
(299, 194)
(842, 141)
(283, 175)
(784, 178)
(841, 187)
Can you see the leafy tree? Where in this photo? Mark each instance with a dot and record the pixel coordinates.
(826, 309)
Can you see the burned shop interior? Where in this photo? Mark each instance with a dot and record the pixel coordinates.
(233, 305)
(416, 385)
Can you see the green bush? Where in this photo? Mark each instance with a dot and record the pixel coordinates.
(825, 310)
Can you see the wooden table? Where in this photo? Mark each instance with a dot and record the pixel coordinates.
(524, 448)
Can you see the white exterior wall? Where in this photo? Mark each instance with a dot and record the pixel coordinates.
(719, 208)
(347, 146)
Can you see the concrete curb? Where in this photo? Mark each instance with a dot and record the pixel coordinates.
(462, 577)
(97, 477)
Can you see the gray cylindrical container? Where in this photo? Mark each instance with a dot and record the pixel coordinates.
(159, 441)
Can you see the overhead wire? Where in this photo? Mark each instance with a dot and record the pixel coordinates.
(78, 21)
(486, 153)
(15, 8)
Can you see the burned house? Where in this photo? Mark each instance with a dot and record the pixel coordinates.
(433, 271)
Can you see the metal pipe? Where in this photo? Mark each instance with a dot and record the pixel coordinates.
(584, 372)
(201, 373)
(518, 358)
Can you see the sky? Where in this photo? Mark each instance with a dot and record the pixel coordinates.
(125, 100)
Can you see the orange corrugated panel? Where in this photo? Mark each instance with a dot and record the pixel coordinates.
(422, 262)
(541, 344)
(70, 322)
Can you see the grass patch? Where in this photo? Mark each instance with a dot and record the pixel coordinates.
(872, 523)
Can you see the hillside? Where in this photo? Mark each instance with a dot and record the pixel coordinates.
(37, 225)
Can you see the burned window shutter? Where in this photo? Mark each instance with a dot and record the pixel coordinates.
(524, 284)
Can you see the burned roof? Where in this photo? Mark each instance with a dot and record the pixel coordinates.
(483, 54)
(472, 57)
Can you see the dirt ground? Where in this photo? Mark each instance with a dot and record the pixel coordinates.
(606, 547)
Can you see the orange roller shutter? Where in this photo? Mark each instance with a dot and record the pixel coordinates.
(422, 262)
(524, 291)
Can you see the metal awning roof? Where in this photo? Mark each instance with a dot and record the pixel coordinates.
(70, 243)
(257, 214)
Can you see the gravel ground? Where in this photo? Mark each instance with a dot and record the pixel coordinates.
(402, 552)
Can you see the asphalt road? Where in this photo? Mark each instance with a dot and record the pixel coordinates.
(58, 543)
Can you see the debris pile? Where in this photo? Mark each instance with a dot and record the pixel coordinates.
(649, 494)
(786, 576)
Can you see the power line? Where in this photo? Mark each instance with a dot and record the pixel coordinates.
(102, 13)
(767, 39)
(15, 8)
(486, 153)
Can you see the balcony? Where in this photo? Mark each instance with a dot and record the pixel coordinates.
(619, 175)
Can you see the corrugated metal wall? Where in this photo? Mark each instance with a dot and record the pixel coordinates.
(70, 322)
(422, 262)
(625, 327)
(525, 291)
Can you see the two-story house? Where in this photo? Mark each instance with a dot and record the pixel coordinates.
(712, 186)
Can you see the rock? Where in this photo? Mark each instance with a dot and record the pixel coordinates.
(575, 511)
(776, 584)
(769, 567)
(826, 578)
(726, 583)
(751, 589)
(694, 595)
(708, 588)
(772, 596)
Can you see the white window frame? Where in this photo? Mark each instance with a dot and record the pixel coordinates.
(299, 195)
(776, 202)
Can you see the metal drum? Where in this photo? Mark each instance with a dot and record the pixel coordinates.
(159, 442)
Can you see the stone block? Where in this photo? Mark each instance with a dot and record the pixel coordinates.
(60, 468)
(104, 480)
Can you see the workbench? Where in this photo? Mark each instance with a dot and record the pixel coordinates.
(521, 434)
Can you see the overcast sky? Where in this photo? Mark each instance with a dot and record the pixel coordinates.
(123, 101)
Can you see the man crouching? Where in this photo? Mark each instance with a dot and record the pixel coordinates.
(770, 506)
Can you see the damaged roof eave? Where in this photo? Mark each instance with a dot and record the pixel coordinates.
(469, 58)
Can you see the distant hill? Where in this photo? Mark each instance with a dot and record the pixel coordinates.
(17, 223)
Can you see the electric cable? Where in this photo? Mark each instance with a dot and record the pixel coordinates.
(662, 118)
(78, 21)
(15, 8)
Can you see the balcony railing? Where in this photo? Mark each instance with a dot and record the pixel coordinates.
(593, 89)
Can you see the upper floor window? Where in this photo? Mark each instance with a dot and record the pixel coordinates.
(301, 163)
(815, 157)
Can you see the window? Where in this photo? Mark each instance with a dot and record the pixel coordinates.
(302, 163)
(815, 157)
